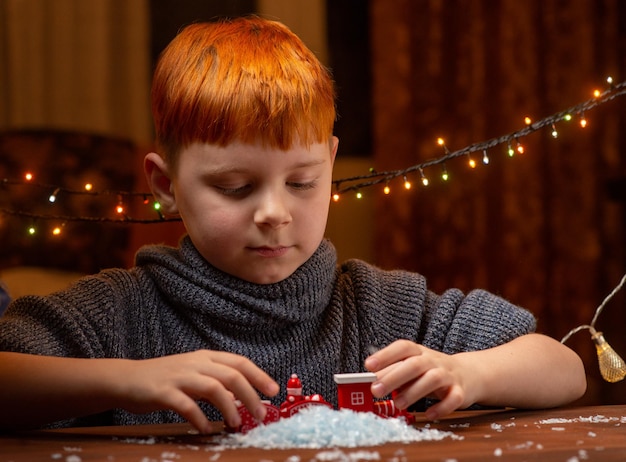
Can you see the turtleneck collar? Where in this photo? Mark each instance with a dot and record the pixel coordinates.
(190, 283)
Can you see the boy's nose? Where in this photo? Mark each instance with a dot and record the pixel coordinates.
(272, 210)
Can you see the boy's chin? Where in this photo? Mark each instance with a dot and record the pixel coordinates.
(267, 278)
(270, 274)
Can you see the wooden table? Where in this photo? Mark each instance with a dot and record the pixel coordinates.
(568, 435)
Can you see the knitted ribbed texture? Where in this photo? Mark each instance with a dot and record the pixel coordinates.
(319, 321)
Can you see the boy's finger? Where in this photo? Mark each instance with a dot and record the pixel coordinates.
(243, 383)
(395, 377)
(452, 400)
(226, 405)
(254, 374)
(393, 353)
(190, 411)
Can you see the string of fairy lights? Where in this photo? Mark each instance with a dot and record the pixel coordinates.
(121, 207)
(612, 366)
(125, 200)
(512, 141)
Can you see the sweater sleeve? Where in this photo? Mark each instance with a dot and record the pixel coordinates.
(476, 321)
(82, 321)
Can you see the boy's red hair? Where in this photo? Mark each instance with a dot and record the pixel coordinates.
(246, 79)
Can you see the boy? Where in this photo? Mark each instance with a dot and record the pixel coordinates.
(244, 116)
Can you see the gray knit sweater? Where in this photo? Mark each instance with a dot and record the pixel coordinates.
(319, 321)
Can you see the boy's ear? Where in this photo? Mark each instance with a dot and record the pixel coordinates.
(334, 144)
(159, 179)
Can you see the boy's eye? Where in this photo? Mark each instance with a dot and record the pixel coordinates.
(302, 186)
(234, 191)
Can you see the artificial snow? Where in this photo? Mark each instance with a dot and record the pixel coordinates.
(590, 419)
(321, 427)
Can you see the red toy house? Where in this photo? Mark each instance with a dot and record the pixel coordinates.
(353, 391)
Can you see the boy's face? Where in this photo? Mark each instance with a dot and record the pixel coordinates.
(252, 211)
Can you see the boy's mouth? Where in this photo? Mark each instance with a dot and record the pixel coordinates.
(271, 252)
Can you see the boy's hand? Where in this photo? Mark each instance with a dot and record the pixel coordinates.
(412, 372)
(176, 382)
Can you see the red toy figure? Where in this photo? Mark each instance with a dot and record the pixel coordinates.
(294, 389)
(296, 400)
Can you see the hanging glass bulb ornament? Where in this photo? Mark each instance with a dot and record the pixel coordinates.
(612, 366)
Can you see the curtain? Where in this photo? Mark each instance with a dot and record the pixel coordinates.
(542, 228)
(77, 65)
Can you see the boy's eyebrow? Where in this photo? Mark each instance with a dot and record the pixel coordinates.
(238, 169)
(310, 163)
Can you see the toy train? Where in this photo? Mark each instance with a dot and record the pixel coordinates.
(353, 392)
